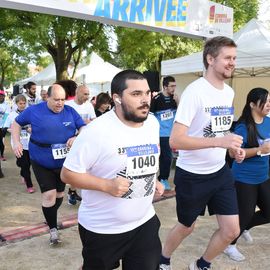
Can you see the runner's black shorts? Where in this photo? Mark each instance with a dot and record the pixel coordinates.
(139, 249)
(196, 191)
(48, 179)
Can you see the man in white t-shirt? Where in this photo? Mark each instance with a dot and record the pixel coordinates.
(82, 104)
(201, 134)
(86, 110)
(114, 161)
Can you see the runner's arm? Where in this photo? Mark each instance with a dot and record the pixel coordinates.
(116, 187)
(15, 133)
(180, 139)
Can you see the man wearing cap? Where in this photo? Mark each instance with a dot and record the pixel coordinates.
(4, 112)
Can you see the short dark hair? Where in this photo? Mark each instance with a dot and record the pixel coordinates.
(28, 85)
(69, 86)
(49, 91)
(102, 98)
(167, 80)
(118, 84)
(213, 46)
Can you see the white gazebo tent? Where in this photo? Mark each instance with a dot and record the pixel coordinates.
(252, 65)
(97, 75)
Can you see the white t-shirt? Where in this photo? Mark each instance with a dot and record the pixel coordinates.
(198, 102)
(24, 135)
(108, 148)
(4, 112)
(85, 110)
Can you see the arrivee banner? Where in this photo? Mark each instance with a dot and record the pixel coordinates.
(193, 18)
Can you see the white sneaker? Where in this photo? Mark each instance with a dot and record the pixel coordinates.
(193, 266)
(54, 237)
(247, 236)
(165, 267)
(233, 253)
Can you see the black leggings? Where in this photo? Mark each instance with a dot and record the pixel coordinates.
(3, 132)
(24, 163)
(249, 196)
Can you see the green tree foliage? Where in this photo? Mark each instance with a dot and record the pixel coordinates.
(144, 50)
(63, 38)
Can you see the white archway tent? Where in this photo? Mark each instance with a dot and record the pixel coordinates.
(252, 65)
(97, 75)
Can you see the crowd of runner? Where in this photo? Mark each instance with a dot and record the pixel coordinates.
(109, 150)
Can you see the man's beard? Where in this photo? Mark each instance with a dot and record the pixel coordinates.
(131, 116)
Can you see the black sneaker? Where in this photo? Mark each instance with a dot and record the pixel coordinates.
(75, 194)
(71, 198)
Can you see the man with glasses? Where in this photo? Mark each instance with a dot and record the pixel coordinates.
(164, 106)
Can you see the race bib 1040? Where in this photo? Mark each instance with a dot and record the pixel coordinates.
(142, 160)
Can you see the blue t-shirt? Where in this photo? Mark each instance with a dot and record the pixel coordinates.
(164, 109)
(253, 170)
(49, 128)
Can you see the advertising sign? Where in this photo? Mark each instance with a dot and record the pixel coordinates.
(193, 18)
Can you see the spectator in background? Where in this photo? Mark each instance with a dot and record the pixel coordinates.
(103, 103)
(164, 106)
(70, 87)
(43, 96)
(30, 94)
(4, 112)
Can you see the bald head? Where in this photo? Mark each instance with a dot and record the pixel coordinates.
(82, 94)
(56, 98)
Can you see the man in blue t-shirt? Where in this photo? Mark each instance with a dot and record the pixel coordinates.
(54, 127)
(164, 106)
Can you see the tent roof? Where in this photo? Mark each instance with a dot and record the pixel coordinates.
(253, 54)
(98, 71)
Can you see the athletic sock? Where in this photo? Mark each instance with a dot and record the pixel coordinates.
(203, 264)
(58, 202)
(165, 260)
(50, 214)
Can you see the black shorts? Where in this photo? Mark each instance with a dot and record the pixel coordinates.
(138, 249)
(48, 179)
(196, 191)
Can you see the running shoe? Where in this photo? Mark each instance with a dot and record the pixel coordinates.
(72, 199)
(30, 190)
(193, 266)
(166, 184)
(77, 196)
(233, 253)
(165, 267)
(247, 236)
(54, 237)
(3, 158)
